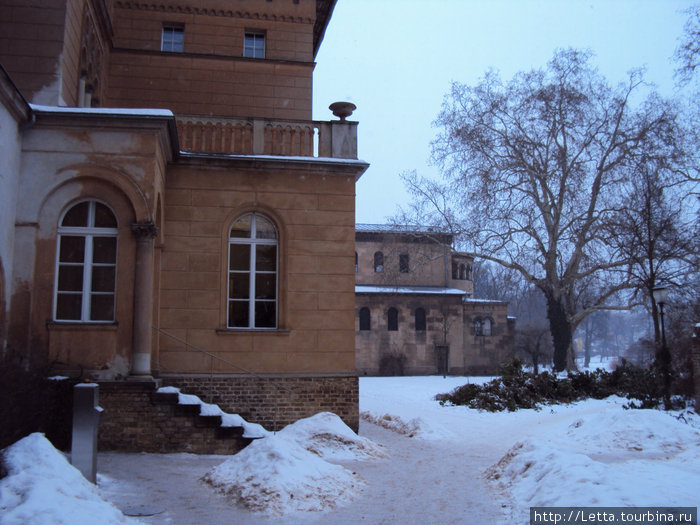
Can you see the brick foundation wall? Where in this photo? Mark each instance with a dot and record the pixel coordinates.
(132, 422)
(275, 402)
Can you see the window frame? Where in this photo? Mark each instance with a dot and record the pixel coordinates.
(392, 319)
(254, 50)
(171, 43)
(421, 323)
(378, 262)
(253, 241)
(88, 232)
(404, 263)
(365, 315)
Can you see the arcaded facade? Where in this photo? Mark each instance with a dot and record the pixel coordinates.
(173, 211)
(415, 313)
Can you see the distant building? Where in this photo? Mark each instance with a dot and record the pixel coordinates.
(415, 313)
(207, 244)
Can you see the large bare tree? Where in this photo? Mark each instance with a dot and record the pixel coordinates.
(532, 167)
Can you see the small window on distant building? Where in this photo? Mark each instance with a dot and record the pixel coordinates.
(173, 38)
(469, 272)
(478, 327)
(378, 262)
(365, 319)
(392, 320)
(420, 320)
(254, 45)
(455, 270)
(462, 272)
(403, 263)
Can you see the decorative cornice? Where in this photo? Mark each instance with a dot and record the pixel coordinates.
(194, 10)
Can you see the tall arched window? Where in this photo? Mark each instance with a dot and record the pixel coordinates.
(478, 327)
(455, 270)
(365, 319)
(420, 320)
(462, 272)
(252, 273)
(378, 262)
(392, 319)
(86, 264)
(486, 326)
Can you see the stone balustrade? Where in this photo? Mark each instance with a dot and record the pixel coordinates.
(289, 138)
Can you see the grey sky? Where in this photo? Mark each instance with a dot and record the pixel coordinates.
(395, 60)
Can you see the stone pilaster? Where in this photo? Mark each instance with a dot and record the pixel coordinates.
(145, 233)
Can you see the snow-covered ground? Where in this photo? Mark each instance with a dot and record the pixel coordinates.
(414, 462)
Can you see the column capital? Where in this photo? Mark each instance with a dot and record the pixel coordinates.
(144, 229)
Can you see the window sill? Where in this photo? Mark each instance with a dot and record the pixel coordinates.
(78, 325)
(252, 331)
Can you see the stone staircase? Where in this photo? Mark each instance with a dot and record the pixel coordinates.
(138, 418)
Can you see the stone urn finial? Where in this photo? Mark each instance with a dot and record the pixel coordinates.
(342, 109)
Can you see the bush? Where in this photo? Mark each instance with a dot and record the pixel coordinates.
(519, 389)
(33, 403)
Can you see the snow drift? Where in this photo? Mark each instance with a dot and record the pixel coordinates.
(42, 487)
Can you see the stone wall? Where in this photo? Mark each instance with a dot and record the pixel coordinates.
(275, 402)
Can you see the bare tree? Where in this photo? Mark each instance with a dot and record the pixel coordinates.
(534, 341)
(654, 231)
(688, 51)
(532, 167)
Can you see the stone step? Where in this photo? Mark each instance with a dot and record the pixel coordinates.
(207, 421)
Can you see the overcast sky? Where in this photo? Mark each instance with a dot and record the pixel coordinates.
(395, 59)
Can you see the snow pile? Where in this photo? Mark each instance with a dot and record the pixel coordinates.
(287, 471)
(327, 436)
(42, 487)
(613, 458)
(250, 430)
(394, 423)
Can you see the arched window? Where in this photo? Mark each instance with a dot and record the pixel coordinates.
(378, 262)
(252, 273)
(403, 263)
(455, 270)
(392, 319)
(469, 272)
(462, 272)
(420, 320)
(86, 265)
(486, 327)
(482, 326)
(365, 319)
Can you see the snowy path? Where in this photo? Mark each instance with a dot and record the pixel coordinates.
(421, 482)
(592, 453)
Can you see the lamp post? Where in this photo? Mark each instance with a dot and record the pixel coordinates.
(663, 355)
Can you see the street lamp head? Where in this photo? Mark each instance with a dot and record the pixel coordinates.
(660, 294)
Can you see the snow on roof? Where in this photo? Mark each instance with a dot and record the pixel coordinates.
(397, 228)
(429, 290)
(286, 158)
(474, 300)
(133, 112)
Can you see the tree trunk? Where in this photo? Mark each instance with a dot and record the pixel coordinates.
(560, 328)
